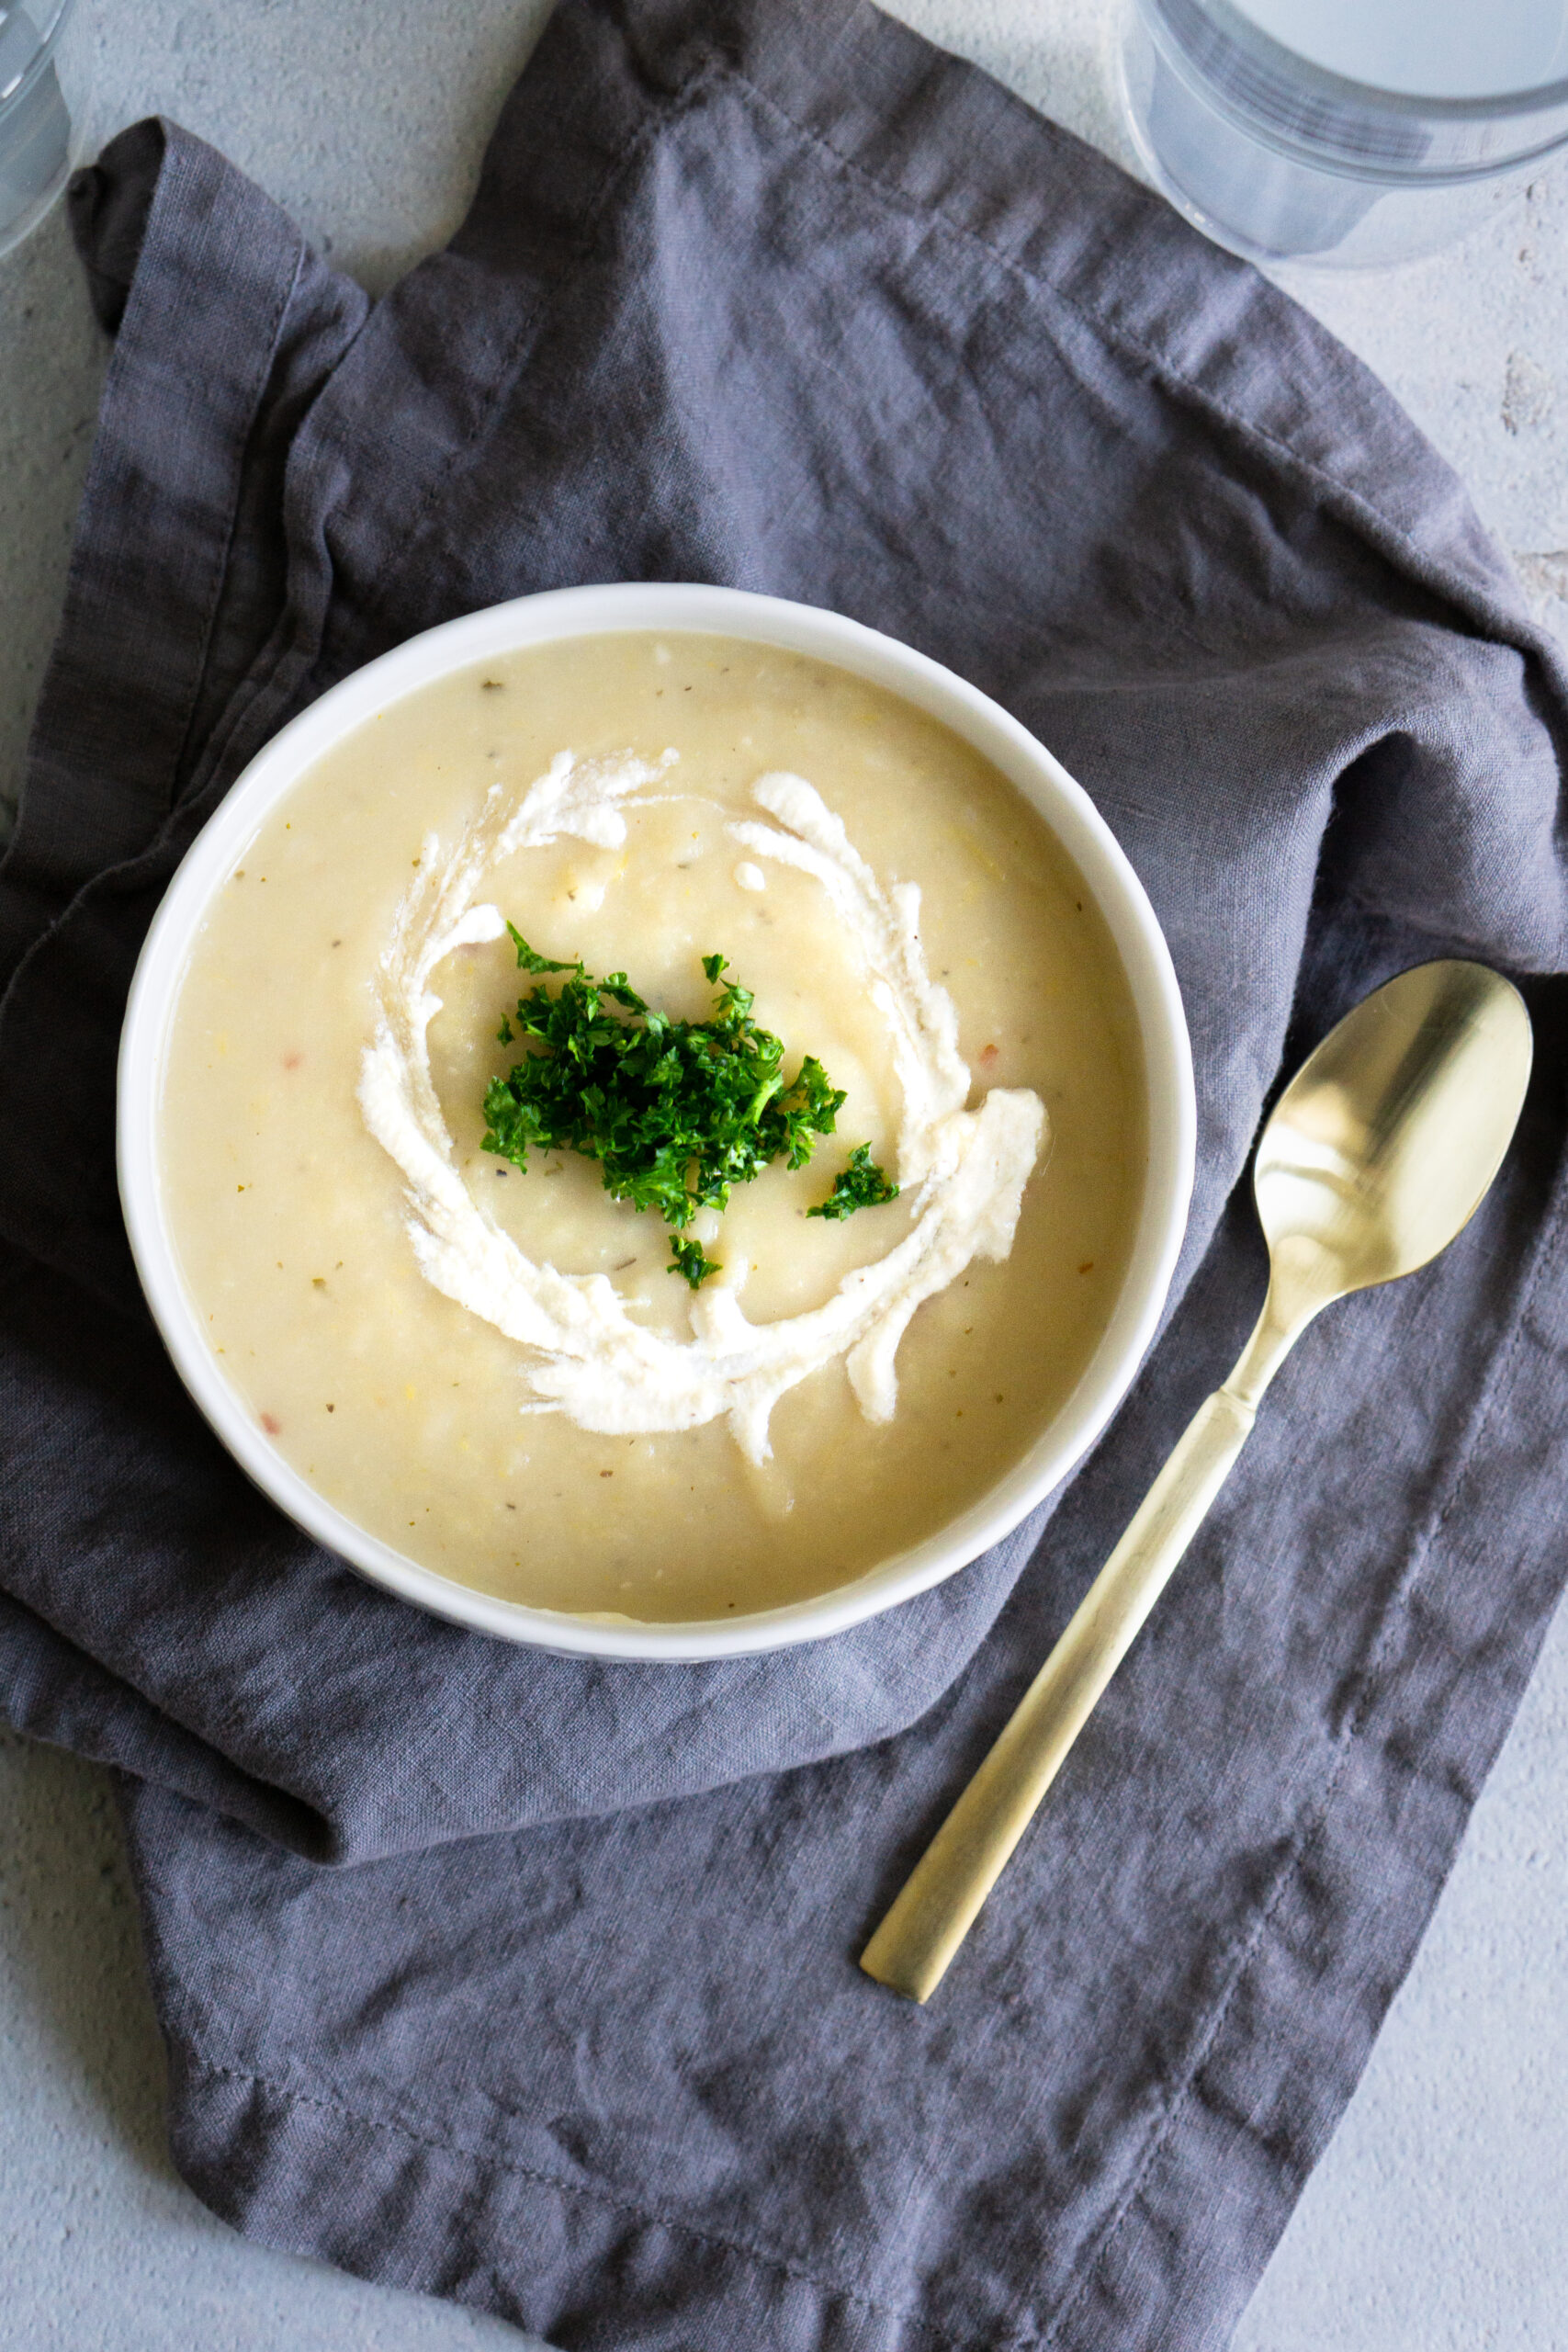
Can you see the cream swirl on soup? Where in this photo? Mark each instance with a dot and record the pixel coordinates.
(587, 1356)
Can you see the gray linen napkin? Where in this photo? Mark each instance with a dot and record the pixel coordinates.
(769, 291)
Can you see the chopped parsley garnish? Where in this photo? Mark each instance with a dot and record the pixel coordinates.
(688, 1260)
(676, 1112)
(861, 1185)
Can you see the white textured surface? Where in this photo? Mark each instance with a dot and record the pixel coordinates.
(1434, 2224)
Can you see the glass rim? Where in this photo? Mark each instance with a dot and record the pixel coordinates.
(1278, 57)
(54, 17)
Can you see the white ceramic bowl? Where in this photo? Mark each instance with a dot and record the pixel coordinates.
(585, 612)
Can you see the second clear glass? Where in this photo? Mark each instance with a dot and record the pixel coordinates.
(45, 91)
(1273, 154)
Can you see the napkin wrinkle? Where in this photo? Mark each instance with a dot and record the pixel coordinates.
(58, 1693)
(108, 212)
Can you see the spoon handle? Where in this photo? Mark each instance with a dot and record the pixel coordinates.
(938, 1903)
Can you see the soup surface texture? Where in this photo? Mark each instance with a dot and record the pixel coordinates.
(491, 1366)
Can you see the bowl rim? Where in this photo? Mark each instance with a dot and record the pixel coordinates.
(624, 608)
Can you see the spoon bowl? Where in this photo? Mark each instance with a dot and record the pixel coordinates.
(1383, 1146)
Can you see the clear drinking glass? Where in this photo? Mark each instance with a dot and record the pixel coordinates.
(1346, 133)
(45, 85)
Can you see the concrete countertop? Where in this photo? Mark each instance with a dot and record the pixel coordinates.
(1434, 2223)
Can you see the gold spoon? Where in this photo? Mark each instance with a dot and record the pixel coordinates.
(1376, 1155)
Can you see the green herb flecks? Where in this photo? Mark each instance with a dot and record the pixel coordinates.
(861, 1185)
(689, 1259)
(676, 1112)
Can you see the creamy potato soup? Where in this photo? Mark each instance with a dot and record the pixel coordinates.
(492, 1365)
